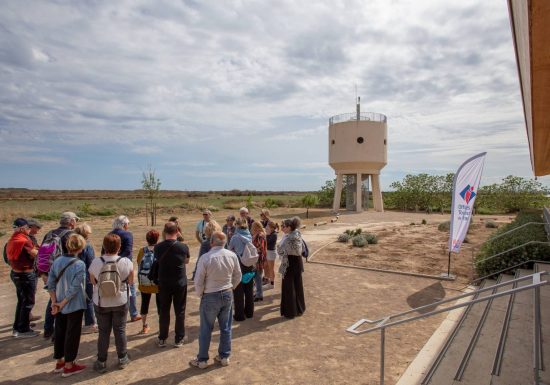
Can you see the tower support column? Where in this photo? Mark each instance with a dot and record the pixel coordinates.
(377, 193)
(359, 193)
(337, 193)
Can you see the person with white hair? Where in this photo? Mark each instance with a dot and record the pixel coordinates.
(120, 228)
(245, 214)
(218, 273)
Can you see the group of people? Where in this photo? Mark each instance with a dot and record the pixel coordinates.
(101, 290)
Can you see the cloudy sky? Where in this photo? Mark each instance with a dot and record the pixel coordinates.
(237, 94)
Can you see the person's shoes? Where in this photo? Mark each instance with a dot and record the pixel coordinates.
(198, 364)
(258, 299)
(59, 367)
(31, 333)
(14, 333)
(100, 367)
(267, 286)
(136, 318)
(145, 329)
(123, 362)
(89, 329)
(32, 324)
(35, 318)
(48, 333)
(161, 343)
(75, 369)
(222, 361)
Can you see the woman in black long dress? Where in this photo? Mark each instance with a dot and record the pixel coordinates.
(290, 250)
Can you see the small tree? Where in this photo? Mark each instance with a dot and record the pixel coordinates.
(309, 201)
(151, 184)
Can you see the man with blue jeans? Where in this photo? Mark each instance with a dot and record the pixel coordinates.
(218, 273)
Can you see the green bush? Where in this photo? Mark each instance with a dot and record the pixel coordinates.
(271, 203)
(353, 233)
(344, 238)
(48, 216)
(371, 238)
(424, 222)
(444, 226)
(359, 240)
(490, 224)
(528, 233)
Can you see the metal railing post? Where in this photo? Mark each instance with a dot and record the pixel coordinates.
(382, 353)
(536, 342)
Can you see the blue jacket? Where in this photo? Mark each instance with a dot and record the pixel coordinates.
(72, 284)
(127, 242)
(87, 256)
(239, 240)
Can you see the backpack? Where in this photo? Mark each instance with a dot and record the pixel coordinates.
(145, 267)
(250, 254)
(305, 250)
(50, 249)
(109, 282)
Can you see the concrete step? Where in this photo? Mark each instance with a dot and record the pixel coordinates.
(480, 365)
(517, 360)
(447, 368)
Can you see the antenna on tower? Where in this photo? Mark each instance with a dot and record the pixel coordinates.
(358, 106)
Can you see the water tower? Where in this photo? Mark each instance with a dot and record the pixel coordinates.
(357, 150)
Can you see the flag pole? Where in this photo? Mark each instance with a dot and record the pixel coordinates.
(449, 266)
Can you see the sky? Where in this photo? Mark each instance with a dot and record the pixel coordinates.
(219, 95)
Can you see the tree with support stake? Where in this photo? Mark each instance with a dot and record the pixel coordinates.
(309, 201)
(151, 185)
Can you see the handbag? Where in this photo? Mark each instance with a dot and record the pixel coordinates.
(154, 272)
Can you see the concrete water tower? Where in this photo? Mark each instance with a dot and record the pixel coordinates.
(357, 148)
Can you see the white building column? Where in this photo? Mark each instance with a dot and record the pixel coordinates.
(377, 193)
(337, 193)
(359, 193)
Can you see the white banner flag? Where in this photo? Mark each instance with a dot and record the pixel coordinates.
(465, 187)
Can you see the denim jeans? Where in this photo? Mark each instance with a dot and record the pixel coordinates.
(89, 317)
(215, 305)
(133, 308)
(49, 319)
(111, 318)
(25, 286)
(258, 283)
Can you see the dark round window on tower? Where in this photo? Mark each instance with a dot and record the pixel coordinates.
(333, 141)
(360, 140)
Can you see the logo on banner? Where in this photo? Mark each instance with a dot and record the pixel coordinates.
(468, 194)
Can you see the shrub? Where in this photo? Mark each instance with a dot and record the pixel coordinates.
(444, 226)
(270, 203)
(424, 222)
(344, 238)
(490, 224)
(2, 233)
(48, 216)
(353, 233)
(528, 233)
(371, 238)
(359, 241)
(412, 224)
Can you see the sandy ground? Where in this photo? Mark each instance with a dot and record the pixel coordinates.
(314, 348)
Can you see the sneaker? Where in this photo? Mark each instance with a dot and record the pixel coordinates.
(267, 286)
(14, 333)
(89, 329)
(59, 367)
(198, 364)
(136, 318)
(100, 367)
(123, 362)
(145, 329)
(178, 344)
(75, 369)
(222, 361)
(258, 299)
(31, 333)
(161, 343)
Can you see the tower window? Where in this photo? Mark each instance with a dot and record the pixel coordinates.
(384, 142)
(360, 140)
(333, 141)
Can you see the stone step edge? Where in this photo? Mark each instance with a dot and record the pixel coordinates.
(417, 369)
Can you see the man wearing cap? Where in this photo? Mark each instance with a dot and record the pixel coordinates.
(199, 232)
(35, 227)
(21, 253)
(67, 222)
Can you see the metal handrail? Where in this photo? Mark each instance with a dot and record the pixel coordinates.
(352, 117)
(512, 249)
(508, 269)
(383, 323)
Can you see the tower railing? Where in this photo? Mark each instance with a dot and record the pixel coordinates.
(352, 117)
